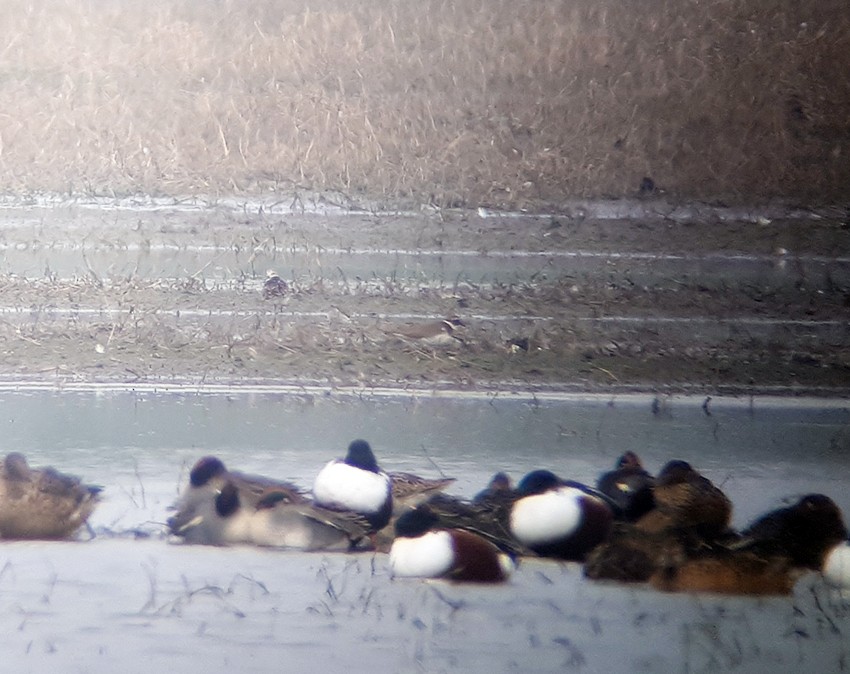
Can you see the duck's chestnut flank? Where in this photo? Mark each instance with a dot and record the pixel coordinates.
(728, 572)
(555, 520)
(476, 560)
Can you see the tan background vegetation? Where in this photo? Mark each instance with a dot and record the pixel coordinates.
(479, 102)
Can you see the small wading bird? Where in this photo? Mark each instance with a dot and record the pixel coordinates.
(41, 503)
(433, 332)
(274, 285)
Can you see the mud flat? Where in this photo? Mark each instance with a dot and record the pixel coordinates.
(615, 296)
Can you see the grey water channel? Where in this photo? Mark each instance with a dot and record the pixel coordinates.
(132, 600)
(67, 241)
(223, 264)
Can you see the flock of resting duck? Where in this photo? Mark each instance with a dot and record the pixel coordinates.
(671, 531)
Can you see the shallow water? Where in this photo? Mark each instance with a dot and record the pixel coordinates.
(224, 264)
(115, 602)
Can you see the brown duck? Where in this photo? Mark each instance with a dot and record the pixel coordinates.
(687, 502)
(409, 489)
(41, 503)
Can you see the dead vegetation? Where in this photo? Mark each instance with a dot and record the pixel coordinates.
(156, 297)
(488, 102)
(331, 333)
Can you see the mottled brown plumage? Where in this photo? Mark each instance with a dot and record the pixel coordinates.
(410, 490)
(41, 503)
(631, 555)
(688, 502)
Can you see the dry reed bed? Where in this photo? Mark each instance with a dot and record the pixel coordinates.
(485, 102)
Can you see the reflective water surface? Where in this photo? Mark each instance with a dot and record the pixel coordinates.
(223, 264)
(136, 604)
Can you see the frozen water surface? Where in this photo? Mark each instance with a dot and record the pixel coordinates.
(120, 603)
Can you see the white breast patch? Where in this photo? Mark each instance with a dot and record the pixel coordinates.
(343, 486)
(836, 570)
(547, 517)
(428, 556)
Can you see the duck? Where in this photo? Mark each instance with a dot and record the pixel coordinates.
(275, 521)
(42, 503)
(356, 483)
(488, 519)
(499, 486)
(836, 567)
(804, 532)
(434, 333)
(671, 563)
(213, 516)
(424, 549)
(631, 555)
(688, 503)
(629, 487)
(556, 519)
(409, 489)
(209, 474)
(274, 285)
(724, 571)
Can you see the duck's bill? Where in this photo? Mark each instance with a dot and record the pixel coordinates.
(177, 526)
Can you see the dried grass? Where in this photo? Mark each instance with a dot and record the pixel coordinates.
(484, 102)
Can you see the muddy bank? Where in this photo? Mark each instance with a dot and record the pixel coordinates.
(646, 299)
